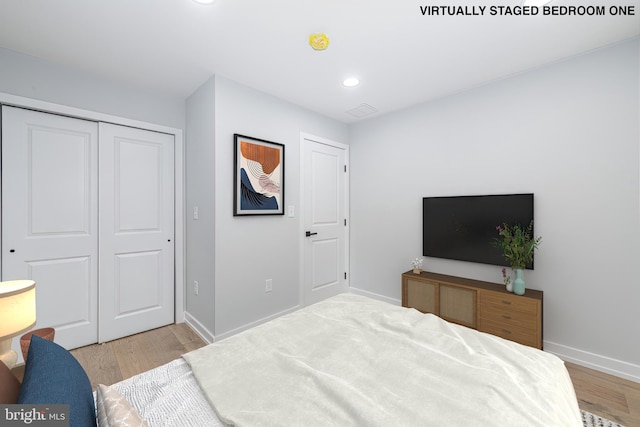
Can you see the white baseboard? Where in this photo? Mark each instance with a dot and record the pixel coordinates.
(198, 328)
(209, 337)
(256, 323)
(600, 363)
(374, 296)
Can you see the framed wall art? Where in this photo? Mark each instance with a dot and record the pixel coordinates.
(258, 177)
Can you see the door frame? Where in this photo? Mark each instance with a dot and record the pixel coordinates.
(179, 159)
(306, 138)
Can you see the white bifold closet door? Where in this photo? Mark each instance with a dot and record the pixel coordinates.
(80, 225)
(50, 218)
(136, 290)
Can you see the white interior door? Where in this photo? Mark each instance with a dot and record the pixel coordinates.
(50, 216)
(325, 208)
(136, 231)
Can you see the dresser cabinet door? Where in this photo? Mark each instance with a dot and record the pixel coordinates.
(458, 305)
(421, 295)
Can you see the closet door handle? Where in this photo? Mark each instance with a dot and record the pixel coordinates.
(12, 250)
(309, 234)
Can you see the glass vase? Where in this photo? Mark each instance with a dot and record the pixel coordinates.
(518, 283)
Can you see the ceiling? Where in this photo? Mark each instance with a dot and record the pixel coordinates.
(171, 47)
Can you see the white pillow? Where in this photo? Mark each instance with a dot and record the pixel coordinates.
(114, 410)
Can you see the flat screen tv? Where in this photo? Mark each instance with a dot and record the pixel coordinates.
(462, 227)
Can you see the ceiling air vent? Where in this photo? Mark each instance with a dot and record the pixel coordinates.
(362, 110)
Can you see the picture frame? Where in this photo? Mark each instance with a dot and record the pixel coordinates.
(258, 178)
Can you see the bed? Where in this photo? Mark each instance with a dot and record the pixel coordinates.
(351, 360)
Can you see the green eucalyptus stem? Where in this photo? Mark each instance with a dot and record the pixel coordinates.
(517, 243)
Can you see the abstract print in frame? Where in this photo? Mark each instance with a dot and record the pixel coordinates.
(259, 177)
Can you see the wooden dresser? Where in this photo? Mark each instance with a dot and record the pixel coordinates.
(484, 306)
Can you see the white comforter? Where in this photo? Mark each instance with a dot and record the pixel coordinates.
(354, 361)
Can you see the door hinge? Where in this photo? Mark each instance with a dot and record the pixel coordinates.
(345, 168)
(345, 275)
(345, 222)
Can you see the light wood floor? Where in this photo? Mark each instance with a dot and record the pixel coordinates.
(120, 359)
(599, 393)
(611, 397)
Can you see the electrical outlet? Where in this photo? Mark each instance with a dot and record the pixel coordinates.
(268, 285)
(195, 287)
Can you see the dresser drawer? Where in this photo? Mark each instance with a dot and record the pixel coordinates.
(518, 334)
(509, 318)
(507, 303)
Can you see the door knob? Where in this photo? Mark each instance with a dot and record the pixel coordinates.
(309, 234)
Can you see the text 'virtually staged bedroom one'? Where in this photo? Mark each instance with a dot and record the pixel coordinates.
(287, 213)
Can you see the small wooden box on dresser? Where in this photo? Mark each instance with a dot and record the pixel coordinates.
(487, 307)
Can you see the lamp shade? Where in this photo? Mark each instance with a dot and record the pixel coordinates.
(17, 307)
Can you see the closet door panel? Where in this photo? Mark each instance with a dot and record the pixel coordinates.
(49, 217)
(139, 172)
(137, 275)
(70, 276)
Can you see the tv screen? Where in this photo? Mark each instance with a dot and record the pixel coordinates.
(463, 227)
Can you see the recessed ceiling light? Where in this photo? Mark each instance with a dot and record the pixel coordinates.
(204, 1)
(351, 82)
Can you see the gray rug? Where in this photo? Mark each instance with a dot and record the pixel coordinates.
(593, 420)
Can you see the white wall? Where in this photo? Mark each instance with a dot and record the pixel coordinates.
(569, 133)
(30, 77)
(248, 250)
(200, 179)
